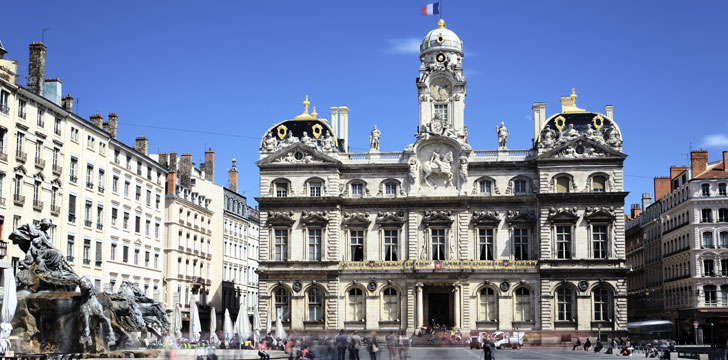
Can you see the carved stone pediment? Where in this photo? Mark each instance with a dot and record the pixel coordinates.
(520, 216)
(39, 176)
(581, 148)
(435, 218)
(296, 154)
(600, 214)
(485, 218)
(356, 219)
(280, 218)
(56, 182)
(20, 169)
(563, 215)
(390, 218)
(315, 217)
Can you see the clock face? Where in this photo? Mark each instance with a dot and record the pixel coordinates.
(440, 89)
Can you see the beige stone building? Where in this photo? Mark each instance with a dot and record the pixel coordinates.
(440, 233)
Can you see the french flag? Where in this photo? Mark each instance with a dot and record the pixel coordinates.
(431, 9)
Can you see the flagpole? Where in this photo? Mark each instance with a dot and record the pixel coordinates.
(441, 1)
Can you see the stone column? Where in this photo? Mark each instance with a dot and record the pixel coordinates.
(420, 307)
(457, 306)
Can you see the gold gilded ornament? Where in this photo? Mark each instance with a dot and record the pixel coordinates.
(282, 130)
(316, 130)
(560, 122)
(598, 122)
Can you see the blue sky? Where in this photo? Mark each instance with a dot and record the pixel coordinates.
(227, 71)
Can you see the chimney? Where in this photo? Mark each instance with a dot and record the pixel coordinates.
(725, 160)
(141, 145)
(172, 174)
(698, 162)
(646, 200)
(164, 160)
(172, 162)
(185, 170)
(53, 90)
(662, 187)
(676, 170)
(539, 109)
(344, 132)
(209, 167)
(112, 125)
(67, 103)
(97, 120)
(233, 178)
(609, 111)
(36, 67)
(634, 211)
(335, 121)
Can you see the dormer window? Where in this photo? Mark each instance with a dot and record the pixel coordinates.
(357, 189)
(390, 188)
(314, 188)
(519, 186)
(486, 187)
(562, 184)
(281, 189)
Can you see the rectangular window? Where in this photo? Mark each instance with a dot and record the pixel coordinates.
(441, 110)
(87, 213)
(112, 256)
(156, 231)
(138, 193)
(125, 254)
(485, 244)
(314, 188)
(41, 112)
(156, 261)
(136, 256)
(147, 258)
(138, 224)
(706, 215)
(139, 168)
(157, 201)
(149, 198)
(89, 176)
(72, 208)
(116, 155)
(356, 238)
(438, 244)
(708, 268)
(126, 188)
(563, 242)
(147, 227)
(707, 239)
(722, 189)
(314, 244)
(101, 180)
(705, 189)
(86, 251)
(21, 108)
(391, 245)
(115, 184)
(69, 248)
(99, 217)
(126, 221)
(57, 127)
(281, 244)
(56, 152)
(390, 189)
(281, 189)
(519, 186)
(485, 187)
(599, 241)
(99, 250)
(73, 170)
(520, 244)
(357, 189)
(38, 152)
(4, 102)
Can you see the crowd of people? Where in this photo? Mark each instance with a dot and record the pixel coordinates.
(625, 347)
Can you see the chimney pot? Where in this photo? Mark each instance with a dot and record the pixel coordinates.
(141, 145)
(209, 167)
(112, 125)
(97, 120)
(185, 170)
(67, 103)
(725, 160)
(233, 177)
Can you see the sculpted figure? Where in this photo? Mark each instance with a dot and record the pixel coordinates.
(289, 139)
(463, 171)
(91, 310)
(570, 133)
(413, 165)
(612, 137)
(589, 133)
(438, 165)
(269, 143)
(374, 139)
(447, 131)
(502, 132)
(307, 140)
(548, 138)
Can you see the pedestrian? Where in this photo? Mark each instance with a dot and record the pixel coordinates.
(391, 340)
(342, 341)
(598, 347)
(372, 346)
(587, 344)
(262, 354)
(578, 344)
(354, 345)
(488, 352)
(289, 348)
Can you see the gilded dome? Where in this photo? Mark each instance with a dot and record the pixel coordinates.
(441, 39)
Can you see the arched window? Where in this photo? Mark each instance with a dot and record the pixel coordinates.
(602, 304)
(390, 305)
(562, 184)
(523, 304)
(315, 304)
(487, 305)
(281, 303)
(598, 183)
(564, 304)
(355, 308)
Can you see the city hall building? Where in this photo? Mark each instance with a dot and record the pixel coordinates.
(438, 232)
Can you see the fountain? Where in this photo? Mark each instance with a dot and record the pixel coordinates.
(60, 312)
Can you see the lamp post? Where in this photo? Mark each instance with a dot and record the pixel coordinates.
(599, 332)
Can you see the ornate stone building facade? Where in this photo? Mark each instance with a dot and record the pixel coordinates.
(439, 232)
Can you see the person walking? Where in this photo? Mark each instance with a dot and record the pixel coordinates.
(354, 345)
(342, 341)
(372, 346)
(488, 350)
(578, 344)
(391, 340)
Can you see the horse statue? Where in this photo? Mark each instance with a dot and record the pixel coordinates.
(438, 165)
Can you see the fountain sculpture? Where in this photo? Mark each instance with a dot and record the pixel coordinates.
(53, 316)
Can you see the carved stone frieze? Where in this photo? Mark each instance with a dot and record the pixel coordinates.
(597, 213)
(356, 219)
(280, 218)
(390, 217)
(563, 215)
(485, 218)
(314, 217)
(520, 216)
(437, 217)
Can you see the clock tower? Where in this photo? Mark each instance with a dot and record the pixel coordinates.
(441, 85)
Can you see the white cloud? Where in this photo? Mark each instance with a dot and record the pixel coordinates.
(715, 140)
(404, 46)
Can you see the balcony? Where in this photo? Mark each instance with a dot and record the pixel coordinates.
(72, 218)
(181, 248)
(87, 261)
(3, 156)
(87, 223)
(101, 189)
(19, 200)
(39, 163)
(89, 185)
(57, 170)
(55, 210)
(99, 226)
(73, 178)
(37, 205)
(21, 156)
(4, 109)
(98, 263)
(195, 252)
